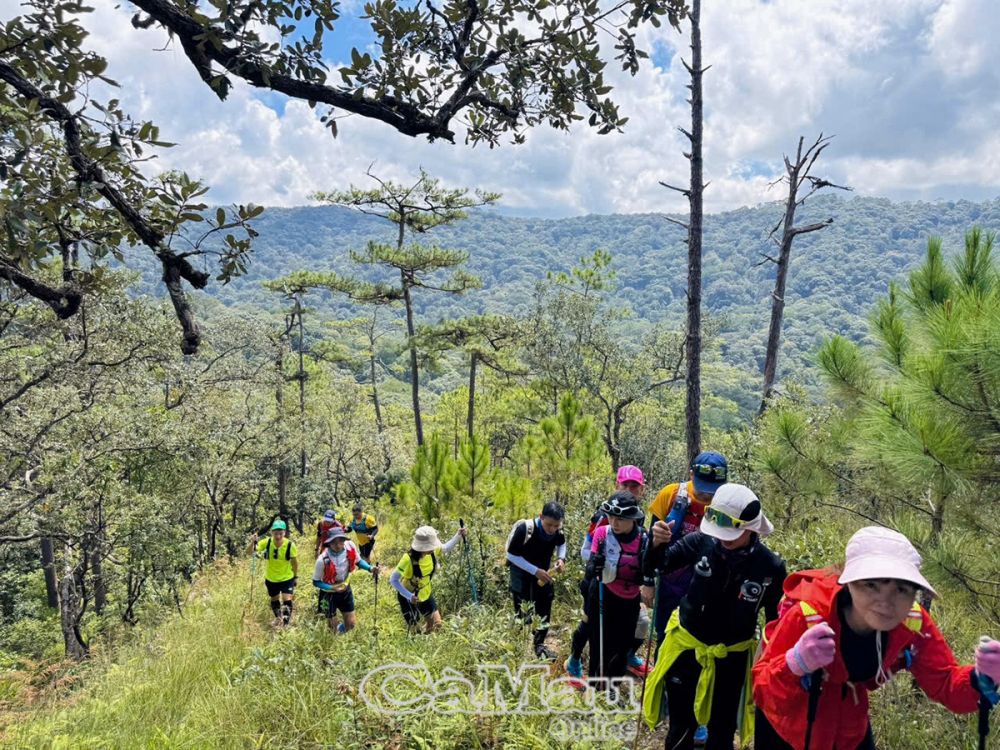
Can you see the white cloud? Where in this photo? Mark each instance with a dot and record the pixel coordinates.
(962, 38)
(906, 86)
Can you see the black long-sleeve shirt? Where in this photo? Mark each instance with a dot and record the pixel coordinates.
(722, 606)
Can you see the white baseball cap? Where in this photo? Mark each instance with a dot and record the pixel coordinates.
(734, 509)
(876, 552)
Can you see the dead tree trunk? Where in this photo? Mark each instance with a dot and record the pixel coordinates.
(692, 429)
(279, 396)
(695, 195)
(471, 414)
(411, 334)
(301, 377)
(797, 173)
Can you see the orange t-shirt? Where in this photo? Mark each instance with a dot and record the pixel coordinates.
(664, 501)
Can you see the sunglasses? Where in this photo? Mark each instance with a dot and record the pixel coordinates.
(711, 472)
(721, 519)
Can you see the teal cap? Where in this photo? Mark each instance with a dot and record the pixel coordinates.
(279, 525)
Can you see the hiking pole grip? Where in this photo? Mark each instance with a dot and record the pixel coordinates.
(987, 699)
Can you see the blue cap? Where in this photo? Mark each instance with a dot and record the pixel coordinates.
(709, 471)
(329, 516)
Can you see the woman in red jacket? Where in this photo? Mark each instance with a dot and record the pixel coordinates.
(843, 634)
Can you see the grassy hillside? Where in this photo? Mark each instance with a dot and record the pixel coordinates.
(219, 677)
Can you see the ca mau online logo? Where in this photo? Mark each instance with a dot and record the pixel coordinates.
(399, 689)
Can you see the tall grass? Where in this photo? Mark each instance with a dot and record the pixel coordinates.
(219, 677)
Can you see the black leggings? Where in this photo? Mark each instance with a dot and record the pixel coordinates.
(765, 738)
(619, 616)
(682, 681)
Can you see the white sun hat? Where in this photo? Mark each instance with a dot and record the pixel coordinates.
(876, 552)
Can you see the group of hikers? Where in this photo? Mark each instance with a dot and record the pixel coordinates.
(700, 574)
(336, 560)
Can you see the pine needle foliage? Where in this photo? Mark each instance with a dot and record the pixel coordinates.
(927, 405)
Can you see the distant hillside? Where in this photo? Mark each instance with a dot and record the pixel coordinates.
(835, 274)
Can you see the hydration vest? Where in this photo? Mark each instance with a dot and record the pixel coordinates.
(323, 528)
(418, 573)
(330, 567)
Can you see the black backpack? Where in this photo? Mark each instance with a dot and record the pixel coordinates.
(418, 572)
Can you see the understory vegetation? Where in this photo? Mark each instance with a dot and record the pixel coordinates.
(141, 475)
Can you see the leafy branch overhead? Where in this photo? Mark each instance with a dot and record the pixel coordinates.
(72, 193)
(499, 67)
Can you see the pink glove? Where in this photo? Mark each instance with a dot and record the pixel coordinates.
(988, 659)
(815, 649)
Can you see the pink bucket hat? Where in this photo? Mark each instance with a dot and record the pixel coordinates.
(629, 473)
(876, 552)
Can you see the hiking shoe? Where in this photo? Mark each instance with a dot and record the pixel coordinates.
(574, 668)
(341, 628)
(543, 653)
(700, 736)
(636, 665)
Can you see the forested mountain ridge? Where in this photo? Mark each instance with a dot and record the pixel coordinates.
(835, 274)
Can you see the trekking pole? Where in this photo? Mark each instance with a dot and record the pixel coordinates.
(650, 636)
(468, 564)
(375, 614)
(600, 626)
(984, 720)
(815, 690)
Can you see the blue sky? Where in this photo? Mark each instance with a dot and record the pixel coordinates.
(909, 89)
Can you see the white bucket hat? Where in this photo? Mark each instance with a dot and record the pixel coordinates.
(734, 509)
(425, 539)
(876, 552)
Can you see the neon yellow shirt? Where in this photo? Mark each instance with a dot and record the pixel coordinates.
(421, 585)
(277, 568)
